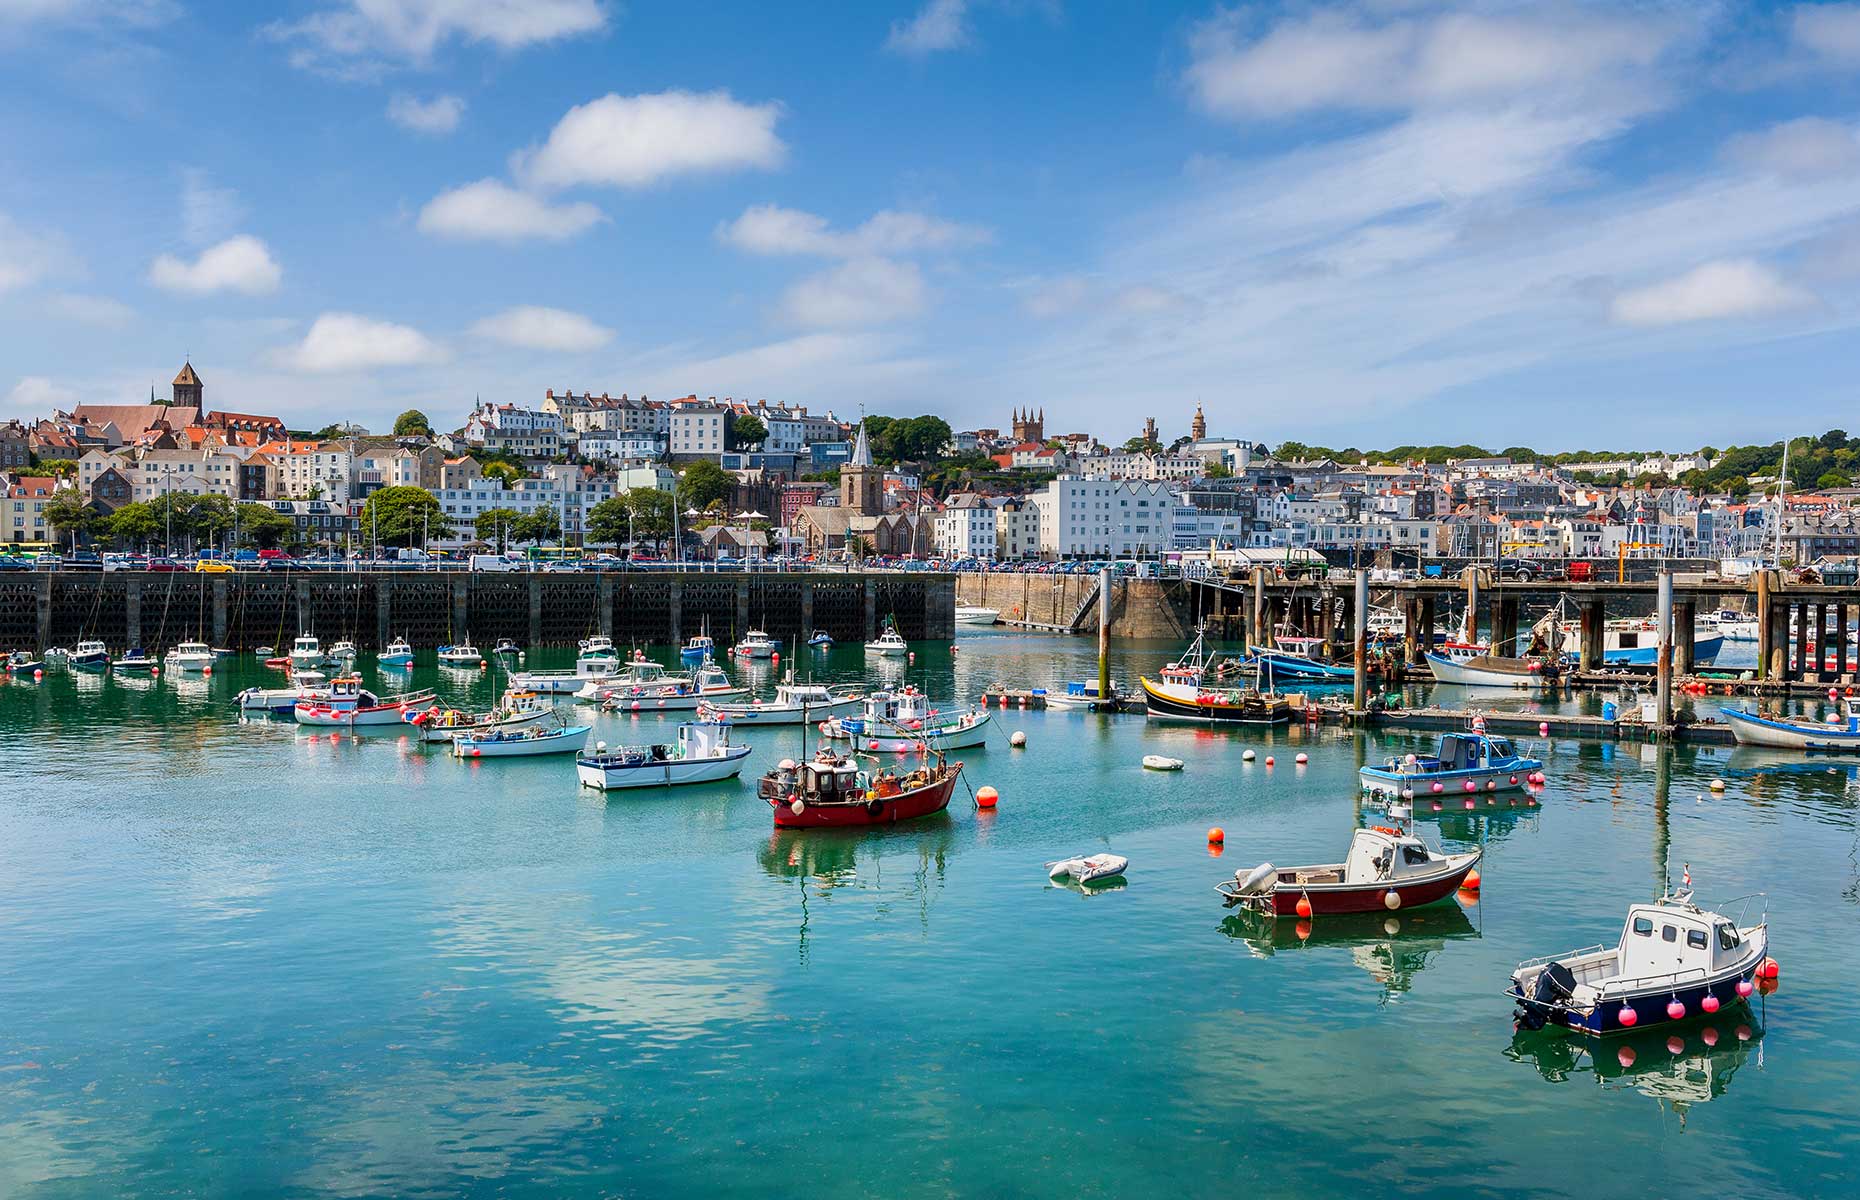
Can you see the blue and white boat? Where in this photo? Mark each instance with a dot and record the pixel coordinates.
(398, 654)
(1296, 658)
(1674, 961)
(821, 638)
(1635, 642)
(1464, 762)
(698, 648)
(1841, 731)
(90, 655)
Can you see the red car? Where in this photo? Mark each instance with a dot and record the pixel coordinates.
(271, 553)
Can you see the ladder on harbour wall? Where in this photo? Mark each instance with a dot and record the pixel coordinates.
(1086, 607)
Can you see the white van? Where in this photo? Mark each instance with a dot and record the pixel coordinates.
(493, 562)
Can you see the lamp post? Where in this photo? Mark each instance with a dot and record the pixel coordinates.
(693, 512)
(748, 550)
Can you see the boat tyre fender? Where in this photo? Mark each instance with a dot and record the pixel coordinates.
(875, 806)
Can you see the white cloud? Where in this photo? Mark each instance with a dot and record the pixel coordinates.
(860, 291)
(1335, 59)
(414, 29)
(1147, 298)
(490, 210)
(633, 141)
(1709, 292)
(1828, 31)
(771, 229)
(101, 311)
(1805, 148)
(437, 116)
(140, 13)
(346, 342)
(538, 328)
(26, 258)
(35, 395)
(939, 25)
(1054, 297)
(238, 264)
(209, 214)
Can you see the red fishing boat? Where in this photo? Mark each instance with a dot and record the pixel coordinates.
(830, 791)
(1385, 870)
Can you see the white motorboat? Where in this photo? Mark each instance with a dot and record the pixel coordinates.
(756, 644)
(348, 705)
(976, 614)
(1081, 694)
(189, 656)
(306, 651)
(342, 653)
(522, 743)
(519, 710)
(794, 704)
(135, 661)
(889, 643)
(464, 654)
(398, 654)
(703, 754)
(506, 648)
(644, 691)
(90, 655)
(588, 668)
(597, 645)
(1161, 762)
(1674, 960)
(903, 720)
(1732, 625)
(278, 701)
(1089, 869)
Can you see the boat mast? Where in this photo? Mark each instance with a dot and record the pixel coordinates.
(1782, 507)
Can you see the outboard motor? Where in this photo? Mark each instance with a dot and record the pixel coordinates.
(1555, 984)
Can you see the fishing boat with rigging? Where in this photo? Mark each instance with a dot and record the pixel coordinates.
(348, 705)
(645, 685)
(698, 648)
(702, 754)
(890, 643)
(342, 654)
(1493, 670)
(522, 743)
(1674, 960)
(519, 709)
(89, 655)
(589, 668)
(306, 653)
(1192, 688)
(755, 643)
(1839, 731)
(399, 654)
(1299, 658)
(829, 791)
(463, 654)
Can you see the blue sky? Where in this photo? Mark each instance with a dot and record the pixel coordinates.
(1621, 225)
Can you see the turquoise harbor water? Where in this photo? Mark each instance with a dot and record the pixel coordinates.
(240, 960)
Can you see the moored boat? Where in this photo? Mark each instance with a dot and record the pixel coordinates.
(1089, 869)
(889, 722)
(976, 614)
(1491, 670)
(830, 791)
(793, 704)
(1384, 870)
(697, 648)
(342, 653)
(1673, 961)
(1840, 731)
(1464, 762)
(347, 704)
(1082, 694)
(89, 655)
(1192, 688)
(596, 645)
(463, 654)
(189, 656)
(755, 644)
(522, 743)
(441, 725)
(702, 754)
(820, 638)
(890, 643)
(645, 685)
(506, 648)
(306, 652)
(135, 662)
(589, 668)
(22, 663)
(1299, 658)
(398, 654)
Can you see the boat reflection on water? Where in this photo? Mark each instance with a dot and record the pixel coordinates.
(1481, 826)
(864, 861)
(1686, 1065)
(1392, 948)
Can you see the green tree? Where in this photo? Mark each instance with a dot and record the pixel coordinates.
(134, 524)
(68, 514)
(607, 521)
(1141, 445)
(652, 511)
(1833, 479)
(58, 468)
(858, 547)
(493, 525)
(264, 526)
(543, 525)
(502, 472)
(916, 439)
(1218, 470)
(746, 431)
(210, 518)
(412, 423)
(704, 484)
(401, 514)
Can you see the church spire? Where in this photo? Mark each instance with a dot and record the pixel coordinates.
(862, 449)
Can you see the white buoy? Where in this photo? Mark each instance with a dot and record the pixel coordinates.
(1017, 739)
(1301, 760)
(1717, 785)
(1247, 756)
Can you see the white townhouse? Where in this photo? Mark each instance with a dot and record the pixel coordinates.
(1102, 518)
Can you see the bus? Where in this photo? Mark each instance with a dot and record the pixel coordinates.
(553, 553)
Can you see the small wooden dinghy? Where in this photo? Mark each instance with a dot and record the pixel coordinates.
(1161, 762)
(1088, 870)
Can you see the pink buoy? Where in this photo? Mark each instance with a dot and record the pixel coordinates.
(1675, 1010)
(1627, 1017)
(1543, 729)
(206, 670)
(872, 745)
(635, 706)
(1709, 1003)
(1301, 760)
(1491, 785)
(1471, 786)
(1743, 1033)
(1625, 1056)
(1675, 1045)
(1439, 786)
(1709, 1036)
(1745, 987)
(1514, 781)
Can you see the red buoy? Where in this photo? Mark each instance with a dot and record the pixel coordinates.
(1303, 907)
(1471, 882)
(1217, 835)
(1627, 1017)
(1768, 969)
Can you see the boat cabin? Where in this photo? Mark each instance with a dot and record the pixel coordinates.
(794, 695)
(1673, 936)
(1467, 751)
(1379, 853)
(306, 645)
(348, 689)
(901, 708)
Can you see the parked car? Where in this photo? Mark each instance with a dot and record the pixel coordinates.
(272, 552)
(215, 566)
(1517, 569)
(15, 562)
(165, 564)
